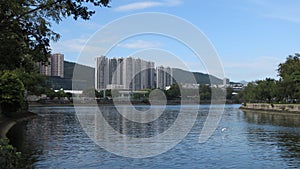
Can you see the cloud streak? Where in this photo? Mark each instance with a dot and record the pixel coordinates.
(141, 44)
(254, 69)
(147, 4)
(280, 10)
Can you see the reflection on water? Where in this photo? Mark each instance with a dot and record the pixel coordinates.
(273, 118)
(244, 139)
(122, 124)
(280, 130)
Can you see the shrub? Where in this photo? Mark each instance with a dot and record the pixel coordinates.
(10, 158)
(11, 92)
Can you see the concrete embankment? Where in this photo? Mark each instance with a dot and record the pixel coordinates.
(6, 123)
(293, 108)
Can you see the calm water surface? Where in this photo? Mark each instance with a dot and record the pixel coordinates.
(244, 139)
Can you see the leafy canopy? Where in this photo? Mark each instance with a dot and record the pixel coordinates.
(25, 28)
(12, 92)
(286, 89)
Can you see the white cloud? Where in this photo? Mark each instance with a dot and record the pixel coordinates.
(254, 69)
(77, 47)
(280, 10)
(137, 5)
(90, 25)
(71, 45)
(147, 4)
(141, 44)
(259, 62)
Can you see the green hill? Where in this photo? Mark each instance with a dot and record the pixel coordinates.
(86, 77)
(190, 77)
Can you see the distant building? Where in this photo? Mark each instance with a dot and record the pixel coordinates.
(113, 65)
(164, 77)
(226, 81)
(102, 73)
(55, 66)
(45, 69)
(124, 73)
(128, 72)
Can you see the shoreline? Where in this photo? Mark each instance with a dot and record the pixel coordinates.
(111, 103)
(269, 107)
(6, 123)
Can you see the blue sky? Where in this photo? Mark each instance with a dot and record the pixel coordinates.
(251, 37)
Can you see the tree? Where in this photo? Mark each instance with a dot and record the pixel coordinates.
(204, 92)
(289, 73)
(25, 28)
(10, 158)
(33, 82)
(50, 93)
(25, 35)
(174, 91)
(249, 93)
(229, 91)
(12, 92)
(265, 89)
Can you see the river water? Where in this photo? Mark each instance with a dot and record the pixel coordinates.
(243, 139)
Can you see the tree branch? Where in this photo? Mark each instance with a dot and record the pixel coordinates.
(35, 9)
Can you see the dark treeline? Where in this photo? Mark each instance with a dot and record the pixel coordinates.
(176, 92)
(284, 90)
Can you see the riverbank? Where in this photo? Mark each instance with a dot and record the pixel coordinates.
(119, 102)
(6, 123)
(287, 108)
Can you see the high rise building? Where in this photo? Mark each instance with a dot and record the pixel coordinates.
(169, 76)
(113, 73)
(45, 69)
(164, 77)
(137, 76)
(151, 73)
(127, 73)
(102, 73)
(120, 71)
(55, 66)
(160, 77)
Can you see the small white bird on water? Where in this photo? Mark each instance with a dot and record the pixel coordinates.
(223, 129)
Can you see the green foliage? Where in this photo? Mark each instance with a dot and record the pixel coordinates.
(205, 92)
(249, 93)
(289, 73)
(11, 92)
(10, 158)
(33, 82)
(218, 92)
(174, 91)
(100, 94)
(25, 35)
(59, 94)
(266, 89)
(229, 91)
(50, 93)
(287, 89)
(25, 28)
(260, 91)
